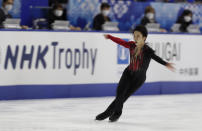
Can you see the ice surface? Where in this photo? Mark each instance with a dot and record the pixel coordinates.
(141, 113)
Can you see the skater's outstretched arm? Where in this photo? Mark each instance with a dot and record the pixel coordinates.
(118, 40)
(158, 59)
(161, 61)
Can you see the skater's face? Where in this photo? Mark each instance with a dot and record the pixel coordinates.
(138, 37)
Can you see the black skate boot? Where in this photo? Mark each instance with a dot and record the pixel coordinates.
(115, 116)
(102, 116)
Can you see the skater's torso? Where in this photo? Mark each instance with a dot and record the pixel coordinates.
(141, 62)
(138, 63)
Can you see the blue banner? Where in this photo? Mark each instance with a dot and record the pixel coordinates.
(129, 13)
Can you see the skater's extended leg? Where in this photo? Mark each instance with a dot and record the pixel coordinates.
(119, 92)
(118, 105)
(133, 87)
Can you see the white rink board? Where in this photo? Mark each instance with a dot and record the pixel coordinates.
(68, 67)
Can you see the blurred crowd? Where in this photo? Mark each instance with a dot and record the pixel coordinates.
(57, 14)
(195, 1)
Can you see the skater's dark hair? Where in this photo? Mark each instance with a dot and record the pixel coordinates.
(104, 5)
(142, 29)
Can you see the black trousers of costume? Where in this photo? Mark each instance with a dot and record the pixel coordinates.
(129, 83)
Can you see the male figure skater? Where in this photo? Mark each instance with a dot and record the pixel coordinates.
(135, 74)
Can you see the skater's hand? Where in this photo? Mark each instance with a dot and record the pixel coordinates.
(106, 36)
(170, 66)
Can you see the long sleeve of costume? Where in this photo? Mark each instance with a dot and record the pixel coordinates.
(158, 59)
(120, 41)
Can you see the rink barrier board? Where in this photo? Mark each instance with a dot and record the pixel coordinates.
(42, 90)
(17, 92)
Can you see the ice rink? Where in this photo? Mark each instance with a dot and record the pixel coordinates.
(141, 113)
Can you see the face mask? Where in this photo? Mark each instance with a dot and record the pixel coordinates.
(58, 13)
(150, 15)
(9, 7)
(105, 12)
(187, 18)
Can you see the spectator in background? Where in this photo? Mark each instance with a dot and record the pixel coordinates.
(149, 17)
(58, 13)
(52, 2)
(102, 17)
(198, 1)
(7, 6)
(185, 20)
(180, 1)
